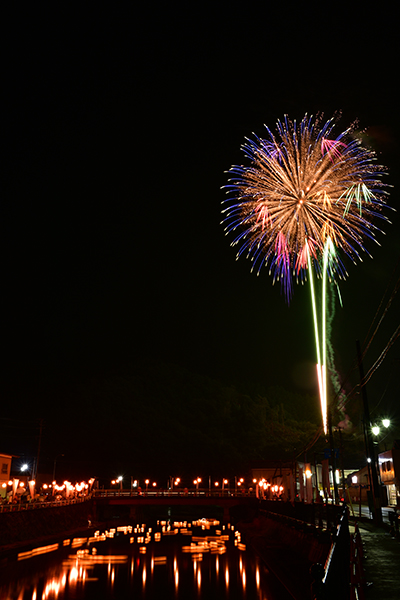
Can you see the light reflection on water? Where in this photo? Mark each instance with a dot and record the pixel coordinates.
(170, 561)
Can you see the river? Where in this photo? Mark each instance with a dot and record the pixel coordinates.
(170, 560)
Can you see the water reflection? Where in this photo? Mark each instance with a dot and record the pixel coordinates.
(178, 560)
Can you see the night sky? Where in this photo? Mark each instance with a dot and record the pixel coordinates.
(118, 129)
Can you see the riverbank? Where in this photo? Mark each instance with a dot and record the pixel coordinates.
(40, 526)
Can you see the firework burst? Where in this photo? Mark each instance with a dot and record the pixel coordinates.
(303, 187)
(306, 197)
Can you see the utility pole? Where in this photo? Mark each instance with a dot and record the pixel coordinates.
(377, 516)
(333, 456)
(339, 429)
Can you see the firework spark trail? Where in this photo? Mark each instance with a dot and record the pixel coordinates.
(306, 196)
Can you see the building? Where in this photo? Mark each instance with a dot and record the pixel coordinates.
(297, 480)
(5, 471)
(389, 471)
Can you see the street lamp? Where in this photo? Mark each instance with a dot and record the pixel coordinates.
(26, 470)
(376, 430)
(196, 482)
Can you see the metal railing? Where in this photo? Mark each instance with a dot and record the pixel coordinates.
(332, 580)
(174, 493)
(20, 506)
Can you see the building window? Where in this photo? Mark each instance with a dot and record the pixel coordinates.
(4, 468)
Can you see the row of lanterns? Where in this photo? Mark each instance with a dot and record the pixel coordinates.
(53, 487)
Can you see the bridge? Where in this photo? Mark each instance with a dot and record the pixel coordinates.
(188, 498)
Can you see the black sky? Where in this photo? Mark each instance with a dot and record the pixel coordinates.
(117, 132)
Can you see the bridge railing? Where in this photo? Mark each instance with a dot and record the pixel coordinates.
(19, 506)
(175, 493)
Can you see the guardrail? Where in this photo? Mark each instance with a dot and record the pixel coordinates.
(321, 516)
(173, 493)
(20, 506)
(332, 580)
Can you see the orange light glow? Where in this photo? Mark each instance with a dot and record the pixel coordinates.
(36, 551)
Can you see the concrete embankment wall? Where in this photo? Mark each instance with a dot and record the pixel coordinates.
(24, 526)
(287, 550)
(306, 543)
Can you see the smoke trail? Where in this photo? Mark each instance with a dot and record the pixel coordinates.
(339, 392)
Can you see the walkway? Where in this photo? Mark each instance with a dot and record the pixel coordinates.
(381, 562)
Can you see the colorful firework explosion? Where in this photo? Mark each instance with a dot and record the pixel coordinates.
(306, 196)
(303, 187)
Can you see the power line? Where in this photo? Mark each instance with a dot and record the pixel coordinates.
(368, 341)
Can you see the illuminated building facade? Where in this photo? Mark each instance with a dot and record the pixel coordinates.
(389, 470)
(5, 470)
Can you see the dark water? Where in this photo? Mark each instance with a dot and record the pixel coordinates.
(180, 561)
